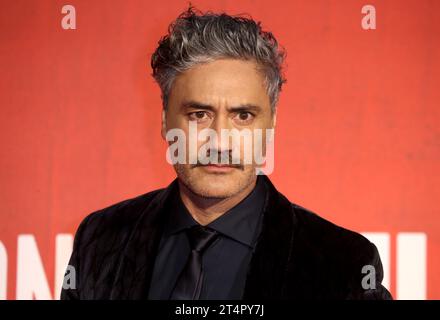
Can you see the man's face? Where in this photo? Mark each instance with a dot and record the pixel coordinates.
(223, 94)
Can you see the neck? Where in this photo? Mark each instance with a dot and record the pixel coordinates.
(205, 210)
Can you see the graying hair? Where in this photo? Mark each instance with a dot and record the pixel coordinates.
(196, 37)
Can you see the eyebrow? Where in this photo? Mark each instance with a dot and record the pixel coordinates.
(203, 106)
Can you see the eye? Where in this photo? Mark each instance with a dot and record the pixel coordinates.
(244, 117)
(198, 116)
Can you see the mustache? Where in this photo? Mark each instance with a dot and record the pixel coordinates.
(226, 156)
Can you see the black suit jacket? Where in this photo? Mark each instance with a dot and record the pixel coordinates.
(299, 255)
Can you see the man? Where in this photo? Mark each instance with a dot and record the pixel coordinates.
(219, 230)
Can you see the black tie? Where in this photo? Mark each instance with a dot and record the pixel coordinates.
(189, 283)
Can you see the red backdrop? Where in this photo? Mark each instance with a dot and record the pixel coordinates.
(357, 138)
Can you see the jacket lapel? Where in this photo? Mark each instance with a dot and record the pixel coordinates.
(272, 256)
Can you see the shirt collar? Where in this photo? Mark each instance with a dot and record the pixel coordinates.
(239, 223)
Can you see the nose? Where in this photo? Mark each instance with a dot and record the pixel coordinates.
(221, 122)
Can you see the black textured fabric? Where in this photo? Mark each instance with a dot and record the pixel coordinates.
(298, 255)
(190, 281)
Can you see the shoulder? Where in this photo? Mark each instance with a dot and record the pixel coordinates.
(344, 256)
(117, 218)
(332, 242)
(326, 234)
(100, 240)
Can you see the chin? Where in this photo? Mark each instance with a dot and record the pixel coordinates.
(215, 186)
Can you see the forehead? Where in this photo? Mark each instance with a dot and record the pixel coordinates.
(221, 82)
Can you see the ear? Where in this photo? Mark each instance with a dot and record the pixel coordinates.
(163, 130)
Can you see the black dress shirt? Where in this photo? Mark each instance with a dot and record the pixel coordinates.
(225, 262)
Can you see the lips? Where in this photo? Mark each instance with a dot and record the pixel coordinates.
(220, 165)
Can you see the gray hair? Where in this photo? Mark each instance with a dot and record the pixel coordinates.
(196, 37)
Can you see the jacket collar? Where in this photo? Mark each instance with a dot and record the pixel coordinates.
(267, 269)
